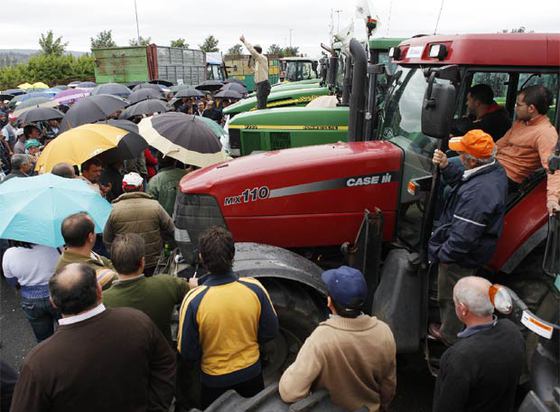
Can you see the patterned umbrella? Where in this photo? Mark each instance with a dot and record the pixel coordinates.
(193, 140)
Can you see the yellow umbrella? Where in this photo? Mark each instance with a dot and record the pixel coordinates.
(78, 145)
(25, 86)
(39, 85)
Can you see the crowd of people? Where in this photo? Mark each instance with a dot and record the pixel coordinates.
(102, 315)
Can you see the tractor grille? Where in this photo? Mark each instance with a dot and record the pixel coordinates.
(234, 138)
(279, 140)
(194, 214)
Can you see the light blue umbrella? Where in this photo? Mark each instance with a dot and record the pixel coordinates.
(33, 208)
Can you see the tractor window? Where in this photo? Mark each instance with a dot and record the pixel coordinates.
(497, 81)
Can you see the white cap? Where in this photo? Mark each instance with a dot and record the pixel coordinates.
(19, 132)
(132, 179)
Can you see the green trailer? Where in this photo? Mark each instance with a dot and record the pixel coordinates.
(262, 130)
(145, 63)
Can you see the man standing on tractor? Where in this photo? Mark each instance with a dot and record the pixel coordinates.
(261, 73)
(529, 143)
(471, 222)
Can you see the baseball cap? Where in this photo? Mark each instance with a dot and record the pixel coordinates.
(346, 286)
(32, 143)
(132, 179)
(476, 142)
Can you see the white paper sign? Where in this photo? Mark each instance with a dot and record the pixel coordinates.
(536, 325)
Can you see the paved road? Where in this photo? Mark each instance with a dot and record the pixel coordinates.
(414, 383)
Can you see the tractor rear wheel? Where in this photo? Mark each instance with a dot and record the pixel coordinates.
(298, 315)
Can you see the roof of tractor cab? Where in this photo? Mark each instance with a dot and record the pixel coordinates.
(498, 49)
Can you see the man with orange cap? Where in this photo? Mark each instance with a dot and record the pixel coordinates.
(471, 222)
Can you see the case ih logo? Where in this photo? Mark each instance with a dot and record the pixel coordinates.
(263, 192)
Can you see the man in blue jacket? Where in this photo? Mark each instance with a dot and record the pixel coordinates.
(223, 322)
(471, 222)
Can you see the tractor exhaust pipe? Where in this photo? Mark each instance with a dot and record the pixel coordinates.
(358, 94)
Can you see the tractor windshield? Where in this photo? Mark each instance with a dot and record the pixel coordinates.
(300, 70)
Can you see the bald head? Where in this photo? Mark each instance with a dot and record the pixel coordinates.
(473, 293)
(73, 289)
(64, 170)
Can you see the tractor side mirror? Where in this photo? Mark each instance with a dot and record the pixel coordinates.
(437, 108)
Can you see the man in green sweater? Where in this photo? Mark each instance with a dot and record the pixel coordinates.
(163, 186)
(156, 296)
(351, 354)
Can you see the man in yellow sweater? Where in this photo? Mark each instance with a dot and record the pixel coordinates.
(351, 354)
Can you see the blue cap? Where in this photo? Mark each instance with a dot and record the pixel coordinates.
(346, 286)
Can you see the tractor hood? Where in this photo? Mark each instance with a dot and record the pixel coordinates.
(293, 118)
(298, 97)
(305, 196)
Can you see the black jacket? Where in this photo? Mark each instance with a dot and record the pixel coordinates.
(481, 372)
(472, 217)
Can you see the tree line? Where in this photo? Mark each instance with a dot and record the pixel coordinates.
(54, 66)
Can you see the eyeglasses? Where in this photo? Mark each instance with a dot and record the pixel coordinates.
(520, 104)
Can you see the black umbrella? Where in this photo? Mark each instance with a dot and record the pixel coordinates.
(229, 94)
(111, 88)
(235, 86)
(15, 92)
(189, 93)
(162, 82)
(91, 109)
(39, 114)
(5, 96)
(210, 85)
(86, 84)
(130, 146)
(190, 139)
(175, 89)
(149, 106)
(143, 94)
(150, 86)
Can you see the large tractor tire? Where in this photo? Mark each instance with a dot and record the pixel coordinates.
(298, 315)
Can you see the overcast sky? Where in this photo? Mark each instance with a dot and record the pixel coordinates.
(264, 22)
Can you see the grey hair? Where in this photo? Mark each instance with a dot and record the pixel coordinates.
(18, 160)
(483, 160)
(475, 298)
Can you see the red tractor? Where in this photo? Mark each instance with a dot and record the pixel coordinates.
(370, 202)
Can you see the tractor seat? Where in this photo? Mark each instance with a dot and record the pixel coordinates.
(528, 185)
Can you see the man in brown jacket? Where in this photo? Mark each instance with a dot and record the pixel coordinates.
(98, 359)
(137, 212)
(351, 354)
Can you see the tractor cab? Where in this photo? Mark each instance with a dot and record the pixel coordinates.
(294, 69)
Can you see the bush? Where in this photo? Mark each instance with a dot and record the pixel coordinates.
(50, 69)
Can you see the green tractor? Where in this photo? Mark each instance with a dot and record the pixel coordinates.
(264, 130)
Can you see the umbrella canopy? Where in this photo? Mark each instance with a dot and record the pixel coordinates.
(39, 85)
(27, 96)
(178, 87)
(193, 140)
(149, 106)
(70, 96)
(235, 86)
(162, 82)
(210, 85)
(33, 208)
(229, 94)
(149, 86)
(86, 85)
(143, 94)
(39, 114)
(91, 109)
(89, 140)
(6, 96)
(15, 92)
(31, 103)
(188, 93)
(25, 85)
(111, 88)
(74, 83)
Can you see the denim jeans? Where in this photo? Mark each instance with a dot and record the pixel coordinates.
(41, 315)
